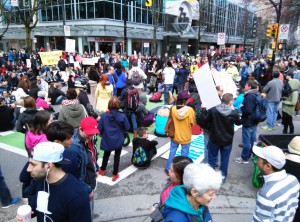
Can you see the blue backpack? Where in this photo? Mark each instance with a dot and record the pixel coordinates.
(139, 157)
(260, 112)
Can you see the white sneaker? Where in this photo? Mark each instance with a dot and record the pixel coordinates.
(240, 160)
(279, 124)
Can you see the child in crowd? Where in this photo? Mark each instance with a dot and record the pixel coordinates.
(148, 146)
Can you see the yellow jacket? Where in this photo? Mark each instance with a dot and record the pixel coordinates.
(184, 119)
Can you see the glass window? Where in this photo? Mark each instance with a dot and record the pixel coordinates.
(118, 10)
(99, 12)
(144, 16)
(49, 14)
(68, 12)
(109, 9)
(90, 10)
(55, 14)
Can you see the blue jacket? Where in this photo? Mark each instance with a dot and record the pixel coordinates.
(182, 75)
(238, 101)
(113, 82)
(112, 134)
(178, 208)
(244, 72)
(248, 107)
(121, 83)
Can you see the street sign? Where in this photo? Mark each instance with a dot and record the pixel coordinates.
(221, 38)
(14, 3)
(284, 31)
(67, 30)
(146, 44)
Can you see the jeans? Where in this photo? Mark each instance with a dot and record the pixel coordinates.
(272, 112)
(4, 191)
(213, 151)
(116, 160)
(173, 148)
(133, 121)
(206, 139)
(59, 99)
(168, 87)
(249, 137)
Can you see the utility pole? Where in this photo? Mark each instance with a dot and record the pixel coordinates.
(278, 15)
(64, 19)
(125, 12)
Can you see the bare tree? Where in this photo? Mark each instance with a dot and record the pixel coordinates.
(5, 18)
(156, 16)
(27, 15)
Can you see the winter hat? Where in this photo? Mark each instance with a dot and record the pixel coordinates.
(294, 145)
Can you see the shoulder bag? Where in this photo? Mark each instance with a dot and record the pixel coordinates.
(170, 128)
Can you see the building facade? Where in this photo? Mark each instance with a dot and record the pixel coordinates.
(98, 25)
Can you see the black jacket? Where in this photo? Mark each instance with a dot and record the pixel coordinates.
(6, 116)
(62, 65)
(55, 94)
(26, 118)
(221, 120)
(248, 107)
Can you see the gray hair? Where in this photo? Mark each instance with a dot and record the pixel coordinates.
(201, 177)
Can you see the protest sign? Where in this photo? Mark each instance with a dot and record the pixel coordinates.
(206, 86)
(50, 58)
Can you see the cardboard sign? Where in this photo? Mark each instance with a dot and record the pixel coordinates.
(206, 86)
(50, 58)
(70, 45)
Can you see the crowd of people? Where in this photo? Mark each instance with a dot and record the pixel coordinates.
(62, 109)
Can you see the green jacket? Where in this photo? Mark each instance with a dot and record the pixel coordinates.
(288, 105)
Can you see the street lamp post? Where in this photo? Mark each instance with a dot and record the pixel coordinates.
(125, 14)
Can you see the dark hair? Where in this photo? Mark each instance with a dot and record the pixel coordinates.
(141, 131)
(226, 98)
(275, 73)
(179, 163)
(169, 64)
(117, 65)
(29, 102)
(59, 130)
(40, 122)
(114, 103)
(252, 83)
(71, 93)
(274, 168)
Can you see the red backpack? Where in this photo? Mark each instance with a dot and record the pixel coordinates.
(156, 97)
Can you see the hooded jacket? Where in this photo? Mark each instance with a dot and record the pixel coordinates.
(111, 126)
(221, 120)
(248, 107)
(72, 114)
(178, 208)
(288, 105)
(184, 119)
(31, 140)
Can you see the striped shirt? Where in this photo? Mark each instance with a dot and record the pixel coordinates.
(277, 200)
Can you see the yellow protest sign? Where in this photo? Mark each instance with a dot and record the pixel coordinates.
(50, 58)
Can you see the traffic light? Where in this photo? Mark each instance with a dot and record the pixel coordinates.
(26, 3)
(274, 30)
(148, 3)
(269, 31)
(273, 45)
(281, 46)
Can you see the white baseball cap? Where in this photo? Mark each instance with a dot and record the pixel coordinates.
(272, 154)
(49, 152)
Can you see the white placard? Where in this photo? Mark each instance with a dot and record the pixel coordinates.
(67, 30)
(70, 45)
(221, 38)
(28, 63)
(283, 31)
(14, 3)
(90, 61)
(178, 46)
(146, 44)
(76, 64)
(225, 80)
(206, 86)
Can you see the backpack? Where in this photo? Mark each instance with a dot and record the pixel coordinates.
(156, 97)
(132, 99)
(260, 112)
(139, 157)
(136, 78)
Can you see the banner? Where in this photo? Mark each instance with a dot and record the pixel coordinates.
(50, 58)
(70, 45)
(206, 86)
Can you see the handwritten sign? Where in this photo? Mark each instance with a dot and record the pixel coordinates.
(50, 58)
